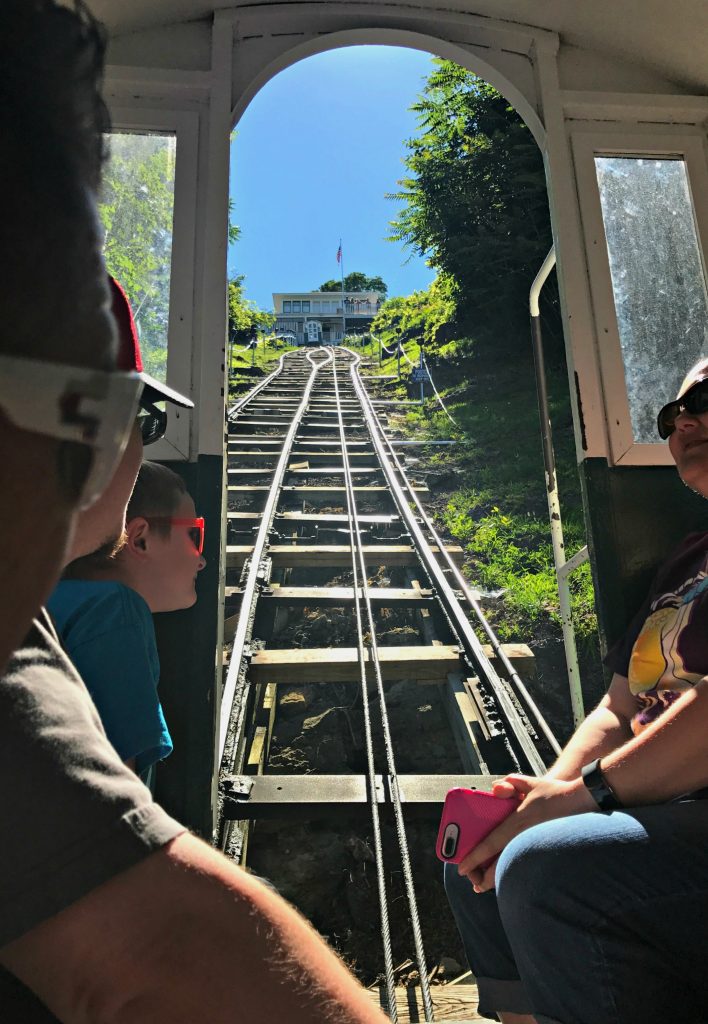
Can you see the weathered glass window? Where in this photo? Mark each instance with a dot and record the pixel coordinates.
(136, 209)
(658, 278)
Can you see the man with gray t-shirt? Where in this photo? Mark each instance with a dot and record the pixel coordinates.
(109, 912)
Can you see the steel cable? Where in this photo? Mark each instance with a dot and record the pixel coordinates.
(388, 744)
(241, 635)
(370, 760)
(469, 597)
(437, 394)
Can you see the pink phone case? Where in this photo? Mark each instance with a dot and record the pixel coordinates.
(468, 816)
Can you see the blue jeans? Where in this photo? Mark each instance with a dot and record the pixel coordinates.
(596, 919)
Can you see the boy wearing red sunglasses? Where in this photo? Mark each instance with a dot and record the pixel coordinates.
(103, 612)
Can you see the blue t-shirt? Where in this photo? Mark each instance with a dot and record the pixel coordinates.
(108, 632)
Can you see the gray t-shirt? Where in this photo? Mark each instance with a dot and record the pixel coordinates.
(72, 815)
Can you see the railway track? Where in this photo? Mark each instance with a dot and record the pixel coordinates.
(322, 516)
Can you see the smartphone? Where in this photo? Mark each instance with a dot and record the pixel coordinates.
(468, 816)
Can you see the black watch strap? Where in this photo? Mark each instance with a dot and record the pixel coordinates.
(600, 790)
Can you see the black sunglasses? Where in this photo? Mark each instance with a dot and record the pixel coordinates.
(153, 422)
(694, 402)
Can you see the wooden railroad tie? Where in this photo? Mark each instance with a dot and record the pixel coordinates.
(341, 664)
(335, 597)
(331, 556)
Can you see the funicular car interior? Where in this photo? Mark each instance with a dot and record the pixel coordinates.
(616, 96)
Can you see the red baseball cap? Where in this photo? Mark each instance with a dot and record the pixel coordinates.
(129, 357)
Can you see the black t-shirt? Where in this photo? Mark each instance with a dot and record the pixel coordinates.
(73, 815)
(665, 649)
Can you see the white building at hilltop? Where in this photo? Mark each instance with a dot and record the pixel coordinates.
(318, 318)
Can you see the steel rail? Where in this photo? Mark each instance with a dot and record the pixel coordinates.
(249, 596)
(469, 639)
(362, 595)
(354, 545)
(476, 607)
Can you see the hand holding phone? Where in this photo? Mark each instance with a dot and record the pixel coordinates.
(469, 815)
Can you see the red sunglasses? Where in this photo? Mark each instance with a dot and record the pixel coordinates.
(196, 527)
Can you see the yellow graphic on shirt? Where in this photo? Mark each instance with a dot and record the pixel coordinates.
(657, 674)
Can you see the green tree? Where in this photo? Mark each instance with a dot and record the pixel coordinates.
(246, 320)
(356, 282)
(475, 202)
(136, 209)
(419, 316)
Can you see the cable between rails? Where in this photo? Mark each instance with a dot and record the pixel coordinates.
(362, 594)
(462, 584)
(354, 539)
(243, 625)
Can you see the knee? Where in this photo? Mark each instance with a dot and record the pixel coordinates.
(529, 868)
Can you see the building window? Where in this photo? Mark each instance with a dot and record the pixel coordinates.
(287, 306)
(306, 305)
(296, 306)
(316, 306)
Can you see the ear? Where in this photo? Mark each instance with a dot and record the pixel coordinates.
(137, 534)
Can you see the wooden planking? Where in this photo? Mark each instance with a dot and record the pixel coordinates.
(330, 556)
(456, 1003)
(337, 596)
(320, 518)
(308, 456)
(341, 664)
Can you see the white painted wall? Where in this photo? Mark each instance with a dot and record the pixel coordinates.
(553, 85)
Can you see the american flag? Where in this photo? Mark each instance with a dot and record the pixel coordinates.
(339, 253)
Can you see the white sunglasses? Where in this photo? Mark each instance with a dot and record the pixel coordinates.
(72, 403)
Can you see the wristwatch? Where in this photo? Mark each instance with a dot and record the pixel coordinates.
(600, 790)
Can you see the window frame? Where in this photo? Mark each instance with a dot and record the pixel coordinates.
(641, 142)
(184, 126)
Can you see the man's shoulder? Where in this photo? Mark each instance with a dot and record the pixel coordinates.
(58, 767)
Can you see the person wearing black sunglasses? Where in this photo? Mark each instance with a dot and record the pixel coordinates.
(109, 910)
(684, 422)
(595, 908)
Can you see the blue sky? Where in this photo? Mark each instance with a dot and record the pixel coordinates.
(314, 155)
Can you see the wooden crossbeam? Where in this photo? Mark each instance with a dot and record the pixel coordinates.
(323, 490)
(341, 664)
(456, 1003)
(319, 518)
(337, 596)
(307, 796)
(330, 556)
(248, 454)
(295, 470)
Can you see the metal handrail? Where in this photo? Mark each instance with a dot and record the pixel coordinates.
(563, 566)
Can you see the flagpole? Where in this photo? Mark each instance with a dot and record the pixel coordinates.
(344, 315)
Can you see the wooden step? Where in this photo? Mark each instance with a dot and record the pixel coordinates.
(319, 518)
(337, 596)
(331, 556)
(456, 1003)
(273, 796)
(341, 664)
(314, 493)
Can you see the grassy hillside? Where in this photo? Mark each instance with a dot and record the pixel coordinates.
(490, 496)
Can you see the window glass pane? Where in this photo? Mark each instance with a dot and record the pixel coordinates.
(657, 279)
(306, 306)
(296, 306)
(136, 208)
(287, 306)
